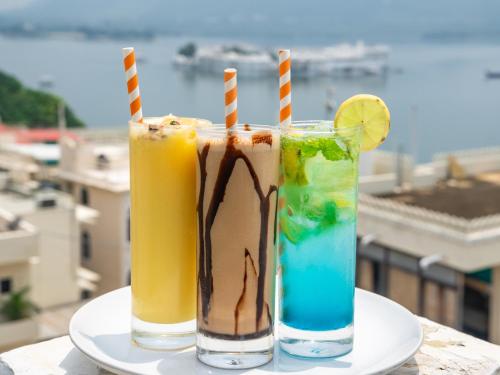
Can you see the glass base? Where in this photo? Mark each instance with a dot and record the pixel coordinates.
(316, 344)
(234, 354)
(163, 336)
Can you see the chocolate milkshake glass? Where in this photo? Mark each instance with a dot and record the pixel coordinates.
(237, 181)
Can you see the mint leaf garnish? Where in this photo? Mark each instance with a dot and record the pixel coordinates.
(296, 151)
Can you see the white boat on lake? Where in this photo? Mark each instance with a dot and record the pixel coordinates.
(345, 60)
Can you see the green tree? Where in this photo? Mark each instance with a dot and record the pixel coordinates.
(17, 305)
(36, 109)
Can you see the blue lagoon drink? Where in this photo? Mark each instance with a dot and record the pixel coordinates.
(317, 225)
(317, 239)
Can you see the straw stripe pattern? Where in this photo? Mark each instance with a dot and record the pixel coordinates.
(285, 88)
(134, 96)
(231, 97)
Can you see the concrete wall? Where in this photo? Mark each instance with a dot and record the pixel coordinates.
(420, 293)
(19, 273)
(378, 169)
(365, 274)
(16, 333)
(19, 332)
(473, 161)
(17, 246)
(54, 276)
(77, 157)
(403, 287)
(17, 249)
(109, 245)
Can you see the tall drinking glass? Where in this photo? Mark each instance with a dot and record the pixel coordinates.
(317, 238)
(163, 231)
(237, 183)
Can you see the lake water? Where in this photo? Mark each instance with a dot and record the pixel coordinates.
(437, 93)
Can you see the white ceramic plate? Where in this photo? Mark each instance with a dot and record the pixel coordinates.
(385, 336)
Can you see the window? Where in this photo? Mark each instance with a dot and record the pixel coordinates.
(46, 203)
(85, 294)
(5, 285)
(379, 280)
(86, 245)
(102, 162)
(476, 305)
(69, 187)
(373, 271)
(84, 196)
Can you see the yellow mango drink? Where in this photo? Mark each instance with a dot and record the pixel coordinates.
(163, 231)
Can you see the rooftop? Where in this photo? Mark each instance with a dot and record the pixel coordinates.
(18, 162)
(43, 135)
(46, 153)
(468, 198)
(99, 160)
(18, 239)
(455, 214)
(8, 223)
(116, 181)
(22, 202)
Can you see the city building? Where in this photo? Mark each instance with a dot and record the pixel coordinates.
(23, 135)
(18, 248)
(53, 273)
(432, 243)
(21, 166)
(95, 170)
(384, 171)
(30, 154)
(56, 276)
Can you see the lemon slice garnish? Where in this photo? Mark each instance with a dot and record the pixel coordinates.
(369, 111)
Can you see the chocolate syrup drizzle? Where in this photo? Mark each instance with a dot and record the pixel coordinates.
(243, 292)
(205, 277)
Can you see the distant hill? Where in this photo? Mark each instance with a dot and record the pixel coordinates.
(332, 20)
(33, 108)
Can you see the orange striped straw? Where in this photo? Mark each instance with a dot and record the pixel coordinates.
(285, 88)
(231, 97)
(134, 97)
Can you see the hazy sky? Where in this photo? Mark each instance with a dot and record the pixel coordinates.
(14, 4)
(385, 19)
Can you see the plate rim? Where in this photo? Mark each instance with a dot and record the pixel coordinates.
(373, 370)
(72, 330)
(420, 340)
